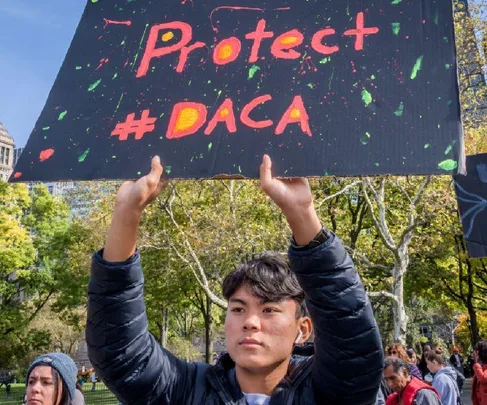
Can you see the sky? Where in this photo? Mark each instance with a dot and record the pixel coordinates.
(34, 38)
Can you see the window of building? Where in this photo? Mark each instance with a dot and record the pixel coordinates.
(2, 154)
(7, 156)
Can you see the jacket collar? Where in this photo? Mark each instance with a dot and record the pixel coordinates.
(222, 376)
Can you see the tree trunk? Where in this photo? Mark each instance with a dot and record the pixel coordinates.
(208, 327)
(398, 309)
(164, 326)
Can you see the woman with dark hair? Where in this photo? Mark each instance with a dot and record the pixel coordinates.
(445, 377)
(479, 387)
(397, 350)
(51, 380)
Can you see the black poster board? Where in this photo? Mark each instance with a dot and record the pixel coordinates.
(325, 87)
(472, 202)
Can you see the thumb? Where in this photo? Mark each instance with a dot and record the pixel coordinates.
(265, 171)
(156, 170)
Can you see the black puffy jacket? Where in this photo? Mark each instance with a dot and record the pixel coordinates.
(344, 367)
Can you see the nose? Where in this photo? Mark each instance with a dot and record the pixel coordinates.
(251, 322)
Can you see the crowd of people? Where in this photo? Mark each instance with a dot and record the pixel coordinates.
(434, 379)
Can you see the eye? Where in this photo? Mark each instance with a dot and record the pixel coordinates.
(270, 310)
(237, 310)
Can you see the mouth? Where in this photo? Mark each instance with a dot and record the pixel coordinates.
(249, 342)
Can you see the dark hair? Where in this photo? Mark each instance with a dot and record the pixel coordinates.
(481, 347)
(65, 400)
(270, 278)
(436, 354)
(397, 364)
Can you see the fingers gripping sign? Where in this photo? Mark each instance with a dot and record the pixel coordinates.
(137, 195)
(293, 196)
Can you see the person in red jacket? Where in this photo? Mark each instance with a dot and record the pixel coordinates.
(408, 390)
(479, 387)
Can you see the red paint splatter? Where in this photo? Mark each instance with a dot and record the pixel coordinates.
(46, 154)
(102, 62)
(107, 22)
(307, 64)
(17, 175)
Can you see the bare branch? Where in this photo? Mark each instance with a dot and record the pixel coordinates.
(381, 222)
(342, 191)
(383, 294)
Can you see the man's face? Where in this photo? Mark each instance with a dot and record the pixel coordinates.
(396, 381)
(260, 335)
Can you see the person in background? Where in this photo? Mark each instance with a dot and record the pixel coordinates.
(398, 351)
(51, 380)
(408, 390)
(456, 360)
(93, 379)
(479, 384)
(444, 377)
(422, 363)
(412, 356)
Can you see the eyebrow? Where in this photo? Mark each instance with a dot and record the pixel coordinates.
(238, 301)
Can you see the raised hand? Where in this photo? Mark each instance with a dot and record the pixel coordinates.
(293, 197)
(136, 195)
(132, 198)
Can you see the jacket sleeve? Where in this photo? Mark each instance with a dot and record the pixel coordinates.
(480, 374)
(426, 397)
(123, 352)
(441, 386)
(348, 360)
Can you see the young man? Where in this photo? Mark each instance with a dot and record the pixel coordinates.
(265, 317)
(408, 390)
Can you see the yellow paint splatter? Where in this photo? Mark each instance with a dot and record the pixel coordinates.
(167, 36)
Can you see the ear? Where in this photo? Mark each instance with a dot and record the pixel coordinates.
(305, 329)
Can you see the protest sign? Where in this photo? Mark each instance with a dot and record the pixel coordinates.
(472, 202)
(325, 87)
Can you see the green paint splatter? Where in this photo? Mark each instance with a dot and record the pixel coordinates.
(372, 77)
(365, 139)
(239, 169)
(366, 97)
(400, 110)
(168, 169)
(426, 145)
(437, 17)
(94, 1)
(115, 76)
(62, 115)
(252, 71)
(139, 173)
(45, 128)
(140, 46)
(79, 67)
(210, 145)
(448, 165)
(119, 102)
(417, 67)
(83, 156)
(310, 85)
(447, 66)
(448, 149)
(396, 27)
(394, 2)
(93, 86)
(324, 61)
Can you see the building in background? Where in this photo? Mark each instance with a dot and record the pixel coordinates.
(17, 153)
(7, 146)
